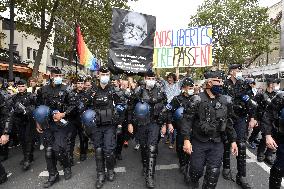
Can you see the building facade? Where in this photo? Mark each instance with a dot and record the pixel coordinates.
(269, 63)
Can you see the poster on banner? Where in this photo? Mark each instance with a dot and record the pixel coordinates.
(190, 47)
(132, 42)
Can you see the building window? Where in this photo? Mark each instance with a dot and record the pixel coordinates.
(29, 52)
(54, 62)
(34, 54)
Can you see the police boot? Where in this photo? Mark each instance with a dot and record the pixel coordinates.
(211, 178)
(241, 179)
(63, 158)
(51, 167)
(153, 150)
(53, 178)
(227, 174)
(275, 178)
(3, 178)
(144, 156)
(100, 168)
(110, 162)
(28, 157)
(193, 179)
(3, 174)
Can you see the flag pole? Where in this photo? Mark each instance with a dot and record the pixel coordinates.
(76, 51)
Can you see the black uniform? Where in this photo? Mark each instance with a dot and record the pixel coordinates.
(263, 153)
(4, 149)
(104, 134)
(148, 128)
(55, 138)
(84, 101)
(242, 111)
(205, 122)
(121, 109)
(23, 105)
(180, 101)
(5, 128)
(273, 122)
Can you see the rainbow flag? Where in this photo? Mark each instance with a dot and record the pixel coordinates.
(85, 56)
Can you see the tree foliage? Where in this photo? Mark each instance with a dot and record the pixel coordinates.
(242, 30)
(39, 18)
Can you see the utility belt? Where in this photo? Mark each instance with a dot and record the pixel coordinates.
(104, 116)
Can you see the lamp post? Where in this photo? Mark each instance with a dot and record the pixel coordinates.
(11, 45)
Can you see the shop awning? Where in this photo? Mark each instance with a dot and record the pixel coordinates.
(16, 68)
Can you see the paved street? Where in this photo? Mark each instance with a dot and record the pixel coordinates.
(128, 176)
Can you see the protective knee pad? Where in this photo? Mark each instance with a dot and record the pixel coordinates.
(153, 151)
(99, 153)
(49, 152)
(242, 151)
(100, 162)
(275, 177)
(195, 175)
(211, 178)
(110, 161)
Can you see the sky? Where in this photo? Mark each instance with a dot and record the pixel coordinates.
(175, 13)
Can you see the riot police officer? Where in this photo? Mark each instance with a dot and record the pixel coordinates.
(144, 110)
(55, 133)
(23, 104)
(273, 122)
(84, 101)
(121, 109)
(5, 130)
(205, 121)
(176, 107)
(244, 110)
(263, 99)
(104, 134)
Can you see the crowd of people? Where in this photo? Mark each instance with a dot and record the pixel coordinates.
(205, 123)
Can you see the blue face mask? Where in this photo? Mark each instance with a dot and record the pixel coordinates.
(57, 80)
(104, 80)
(217, 90)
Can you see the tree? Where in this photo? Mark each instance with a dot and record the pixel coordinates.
(38, 18)
(241, 29)
(94, 18)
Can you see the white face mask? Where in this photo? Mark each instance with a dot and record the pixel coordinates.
(254, 90)
(277, 88)
(150, 83)
(190, 92)
(58, 80)
(239, 75)
(104, 79)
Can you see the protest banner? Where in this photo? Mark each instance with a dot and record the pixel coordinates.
(132, 42)
(191, 47)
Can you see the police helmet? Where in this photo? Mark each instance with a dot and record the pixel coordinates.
(178, 114)
(142, 110)
(41, 114)
(88, 118)
(187, 82)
